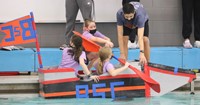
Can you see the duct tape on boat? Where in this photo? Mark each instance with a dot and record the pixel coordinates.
(175, 70)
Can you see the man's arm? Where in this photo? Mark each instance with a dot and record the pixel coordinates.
(141, 45)
(120, 41)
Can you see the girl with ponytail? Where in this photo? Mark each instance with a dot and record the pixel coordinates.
(74, 56)
(103, 64)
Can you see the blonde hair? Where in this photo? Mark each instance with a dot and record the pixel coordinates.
(104, 53)
(87, 22)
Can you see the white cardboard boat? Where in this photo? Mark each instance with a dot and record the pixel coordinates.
(64, 83)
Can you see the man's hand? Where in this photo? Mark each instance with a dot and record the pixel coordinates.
(142, 59)
(122, 57)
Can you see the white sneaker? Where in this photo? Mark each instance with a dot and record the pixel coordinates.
(10, 48)
(197, 44)
(133, 45)
(187, 44)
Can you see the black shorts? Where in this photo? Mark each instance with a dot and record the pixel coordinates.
(133, 32)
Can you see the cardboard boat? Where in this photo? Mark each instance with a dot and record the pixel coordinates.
(64, 83)
(155, 80)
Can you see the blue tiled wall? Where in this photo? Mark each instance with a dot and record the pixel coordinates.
(50, 57)
(170, 56)
(17, 60)
(26, 60)
(191, 58)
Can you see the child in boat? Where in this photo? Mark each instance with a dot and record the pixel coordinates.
(74, 56)
(103, 64)
(91, 33)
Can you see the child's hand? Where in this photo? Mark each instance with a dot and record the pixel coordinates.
(127, 64)
(109, 44)
(95, 78)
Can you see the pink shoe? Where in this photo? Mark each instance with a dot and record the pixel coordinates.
(187, 44)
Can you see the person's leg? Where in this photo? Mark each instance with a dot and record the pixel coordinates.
(71, 8)
(85, 8)
(187, 8)
(125, 41)
(197, 23)
(126, 35)
(91, 57)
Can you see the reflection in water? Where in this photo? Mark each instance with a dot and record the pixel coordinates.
(168, 99)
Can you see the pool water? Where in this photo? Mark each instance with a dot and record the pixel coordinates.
(168, 99)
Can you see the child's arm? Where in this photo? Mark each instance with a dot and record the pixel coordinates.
(84, 66)
(115, 72)
(91, 63)
(101, 40)
(100, 35)
(106, 38)
(86, 70)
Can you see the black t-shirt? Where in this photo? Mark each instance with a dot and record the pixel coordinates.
(127, 1)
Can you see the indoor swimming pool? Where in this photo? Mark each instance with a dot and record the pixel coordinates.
(173, 98)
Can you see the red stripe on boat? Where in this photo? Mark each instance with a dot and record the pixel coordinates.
(56, 70)
(77, 79)
(71, 93)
